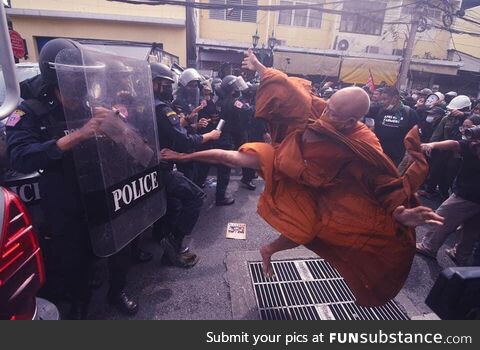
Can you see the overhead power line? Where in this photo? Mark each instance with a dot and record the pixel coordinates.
(215, 6)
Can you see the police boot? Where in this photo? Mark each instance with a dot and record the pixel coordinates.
(172, 257)
(123, 303)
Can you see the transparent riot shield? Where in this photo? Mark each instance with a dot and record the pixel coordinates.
(117, 169)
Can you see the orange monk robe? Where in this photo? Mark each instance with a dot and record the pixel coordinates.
(336, 195)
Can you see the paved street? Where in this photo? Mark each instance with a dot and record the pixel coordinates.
(203, 292)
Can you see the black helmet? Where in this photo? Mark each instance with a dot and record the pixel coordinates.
(229, 84)
(47, 57)
(161, 71)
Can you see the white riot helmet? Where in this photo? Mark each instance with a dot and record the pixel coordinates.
(460, 102)
(189, 75)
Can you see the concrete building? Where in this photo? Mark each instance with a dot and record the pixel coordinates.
(466, 49)
(133, 27)
(366, 36)
(335, 40)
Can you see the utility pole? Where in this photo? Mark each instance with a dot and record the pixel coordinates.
(191, 35)
(407, 56)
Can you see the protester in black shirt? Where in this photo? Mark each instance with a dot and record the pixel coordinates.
(392, 123)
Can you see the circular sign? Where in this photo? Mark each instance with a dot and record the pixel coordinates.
(18, 47)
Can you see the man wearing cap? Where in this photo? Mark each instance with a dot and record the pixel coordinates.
(422, 96)
(392, 124)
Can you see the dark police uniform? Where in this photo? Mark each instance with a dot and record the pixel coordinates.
(247, 131)
(32, 131)
(184, 198)
(172, 135)
(233, 134)
(31, 142)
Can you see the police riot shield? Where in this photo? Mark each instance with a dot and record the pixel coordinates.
(117, 164)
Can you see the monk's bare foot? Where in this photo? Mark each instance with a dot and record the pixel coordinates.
(266, 261)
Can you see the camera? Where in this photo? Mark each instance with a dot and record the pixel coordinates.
(473, 133)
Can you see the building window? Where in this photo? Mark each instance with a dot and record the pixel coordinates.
(432, 13)
(234, 14)
(366, 23)
(300, 17)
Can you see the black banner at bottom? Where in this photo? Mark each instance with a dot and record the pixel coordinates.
(253, 334)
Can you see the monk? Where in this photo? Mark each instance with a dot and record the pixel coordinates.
(329, 186)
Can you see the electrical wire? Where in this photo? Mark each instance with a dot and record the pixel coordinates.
(201, 5)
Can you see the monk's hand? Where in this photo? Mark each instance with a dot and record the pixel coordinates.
(250, 61)
(167, 154)
(417, 216)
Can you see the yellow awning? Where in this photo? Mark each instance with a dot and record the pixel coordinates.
(306, 64)
(356, 70)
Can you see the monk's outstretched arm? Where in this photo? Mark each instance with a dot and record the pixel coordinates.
(231, 159)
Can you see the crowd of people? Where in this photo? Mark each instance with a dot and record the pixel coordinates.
(354, 146)
(447, 123)
(449, 133)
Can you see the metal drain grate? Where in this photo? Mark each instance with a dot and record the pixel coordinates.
(311, 290)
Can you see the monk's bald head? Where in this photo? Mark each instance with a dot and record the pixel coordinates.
(350, 102)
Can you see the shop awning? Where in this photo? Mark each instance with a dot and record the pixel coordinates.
(433, 68)
(356, 70)
(306, 64)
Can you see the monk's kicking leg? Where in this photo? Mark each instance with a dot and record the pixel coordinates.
(281, 243)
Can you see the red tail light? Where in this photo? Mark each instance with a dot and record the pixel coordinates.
(21, 266)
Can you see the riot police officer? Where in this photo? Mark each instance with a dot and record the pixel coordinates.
(188, 92)
(171, 133)
(38, 139)
(233, 133)
(184, 198)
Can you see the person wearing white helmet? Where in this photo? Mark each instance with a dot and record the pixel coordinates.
(460, 103)
(445, 164)
(187, 97)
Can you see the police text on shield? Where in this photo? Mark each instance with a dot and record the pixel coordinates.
(134, 190)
